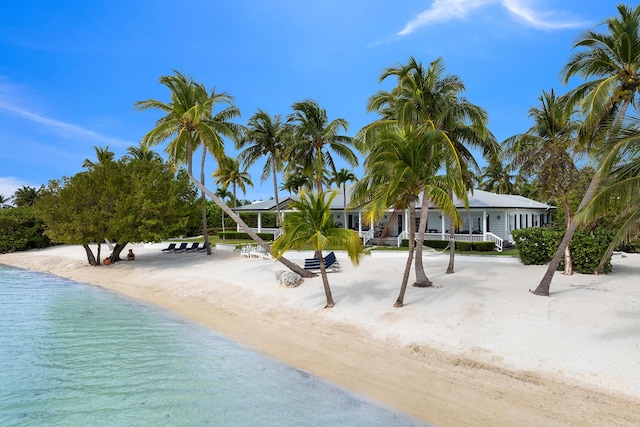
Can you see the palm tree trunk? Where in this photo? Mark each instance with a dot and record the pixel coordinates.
(452, 242)
(235, 199)
(422, 281)
(325, 280)
(344, 204)
(205, 227)
(275, 193)
(568, 262)
(452, 252)
(223, 232)
(407, 269)
(290, 265)
(545, 283)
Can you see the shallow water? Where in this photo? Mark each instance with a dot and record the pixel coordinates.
(73, 354)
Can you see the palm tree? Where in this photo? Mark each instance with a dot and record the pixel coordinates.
(266, 137)
(399, 167)
(613, 59)
(311, 224)
(229, 173)
(222, 193)
(4, 201)
(340, 178)
(432, 101)
(102, 154)
(294, 182)
(25, 196)
(314, 138)
(143, 152)
(547, 151)
(190, 123)
(497, 177)
(619, 191)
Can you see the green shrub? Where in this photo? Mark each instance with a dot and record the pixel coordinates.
(483, 246)
(587, 250)
(235, 235)
(537, 246)
(435, 244)
(464, 246)
(20, 230)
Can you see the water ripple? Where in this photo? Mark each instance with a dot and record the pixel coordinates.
(72, 354)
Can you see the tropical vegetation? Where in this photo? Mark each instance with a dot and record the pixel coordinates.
(127, 200)
(581, 154)
(311, 224)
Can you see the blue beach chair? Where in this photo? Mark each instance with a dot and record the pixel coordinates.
(169, 248)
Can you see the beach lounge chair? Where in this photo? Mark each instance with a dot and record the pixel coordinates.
(330, 261)
(203, 248)
(263, 253)
(181, 248)
(169, 248)
(331, 264)
(245, 251)
(193, 247)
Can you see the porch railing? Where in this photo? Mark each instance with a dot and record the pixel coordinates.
(462, 237)
(366, 236)
(497, 240)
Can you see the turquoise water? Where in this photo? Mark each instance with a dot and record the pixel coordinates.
(77, 355)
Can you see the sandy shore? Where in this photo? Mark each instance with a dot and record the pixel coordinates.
(478, 349)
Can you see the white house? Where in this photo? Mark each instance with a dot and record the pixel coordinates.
(489, 217)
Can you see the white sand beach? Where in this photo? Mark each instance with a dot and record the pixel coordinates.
(478, 349)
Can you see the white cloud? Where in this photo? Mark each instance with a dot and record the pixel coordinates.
(540, 20)
(68, 130)
(446, 10)
(9, 185)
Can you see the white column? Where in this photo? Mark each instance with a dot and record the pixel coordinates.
(483, 224)
(406, 221)
(259, 222)
(442, 225)
(360, 222)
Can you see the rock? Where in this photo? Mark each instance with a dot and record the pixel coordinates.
(288, 279)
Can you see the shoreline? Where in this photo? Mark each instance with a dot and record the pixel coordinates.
(475, 350)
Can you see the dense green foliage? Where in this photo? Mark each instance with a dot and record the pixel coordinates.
(239, 235)
(123, 201)
(538, 245)
(460, 245)
(21, 230)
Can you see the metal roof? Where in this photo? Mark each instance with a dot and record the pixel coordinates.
(478, 199)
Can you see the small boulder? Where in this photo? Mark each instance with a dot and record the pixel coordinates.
(288, 279)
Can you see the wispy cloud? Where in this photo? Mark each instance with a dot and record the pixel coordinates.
(9, 185)
(68, 130)
(447, 10)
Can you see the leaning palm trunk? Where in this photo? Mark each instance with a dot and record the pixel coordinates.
(422, 281)
(545, 283)
(275, 193)
(407, 269)
(290, 265)
(325, 280)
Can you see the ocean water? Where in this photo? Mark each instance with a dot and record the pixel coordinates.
(77, 355)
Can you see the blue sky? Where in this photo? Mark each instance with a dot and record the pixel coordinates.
(71, 71)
